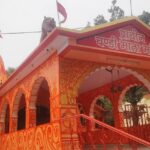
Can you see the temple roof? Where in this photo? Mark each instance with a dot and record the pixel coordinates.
(65, 43)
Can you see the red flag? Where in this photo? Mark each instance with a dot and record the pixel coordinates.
(62, 10)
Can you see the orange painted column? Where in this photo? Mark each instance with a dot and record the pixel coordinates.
(121, 119)
(69, 127)
(116, 110)
(1, 127)
(27, 117)
(32, 117)
(13, 124)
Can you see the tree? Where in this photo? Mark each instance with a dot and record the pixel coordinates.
(145, 17)
(115, 11)
(10, 70)
(133, 96)
(106, 114)
(99, 20)
(88, 25)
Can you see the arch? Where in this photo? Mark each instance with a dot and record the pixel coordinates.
(34, 91)
(88, 75)
(5, 117)
(91, 112)
(140, 77)
(39, 104)
(19, 111)
(120, 110)
(16, 102)
(104, 110)
(123, 94)
(127, 112)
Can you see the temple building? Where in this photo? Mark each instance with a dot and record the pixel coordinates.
(70, 92)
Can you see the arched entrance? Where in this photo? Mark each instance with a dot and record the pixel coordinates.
(109, 81)
(22, 113)
(135, 113)
(19, 112)
(5, 117)
(102, 110)
(40, 103)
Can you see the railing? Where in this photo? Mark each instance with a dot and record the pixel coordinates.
(139, 131)
(142, 112)
(95, 135)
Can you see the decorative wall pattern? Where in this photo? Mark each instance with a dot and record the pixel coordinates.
(45, 137)
(71, 73)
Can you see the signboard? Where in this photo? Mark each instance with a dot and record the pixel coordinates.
(126, 39)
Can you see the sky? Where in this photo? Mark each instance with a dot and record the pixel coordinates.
(27, 15)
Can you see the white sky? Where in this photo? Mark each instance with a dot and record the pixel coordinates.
(27, 15)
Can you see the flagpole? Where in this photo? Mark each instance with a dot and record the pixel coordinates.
(59, 24)
(131, 7)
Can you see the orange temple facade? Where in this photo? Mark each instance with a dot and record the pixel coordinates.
(64, 76)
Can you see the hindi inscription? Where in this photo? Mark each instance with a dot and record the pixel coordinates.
(129, 41)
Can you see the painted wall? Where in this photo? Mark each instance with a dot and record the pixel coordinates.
(29, 87)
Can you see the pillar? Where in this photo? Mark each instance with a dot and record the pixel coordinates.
(1, 127)
(27, 117)
(69, 127)
(116, 110)
(32, 116)
(14, 120)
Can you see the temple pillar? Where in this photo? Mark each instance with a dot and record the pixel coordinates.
(71, 74)
(27, 118)
(2, 123)
(116, 111)
(121, 118)
(14, 124)
(1, 127)
(69, 126)
(32, 117)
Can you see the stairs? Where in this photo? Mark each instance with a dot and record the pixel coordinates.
(106, 137)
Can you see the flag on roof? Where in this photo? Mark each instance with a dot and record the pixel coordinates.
(62, 11)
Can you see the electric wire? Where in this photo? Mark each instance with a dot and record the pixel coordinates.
(7, 33)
